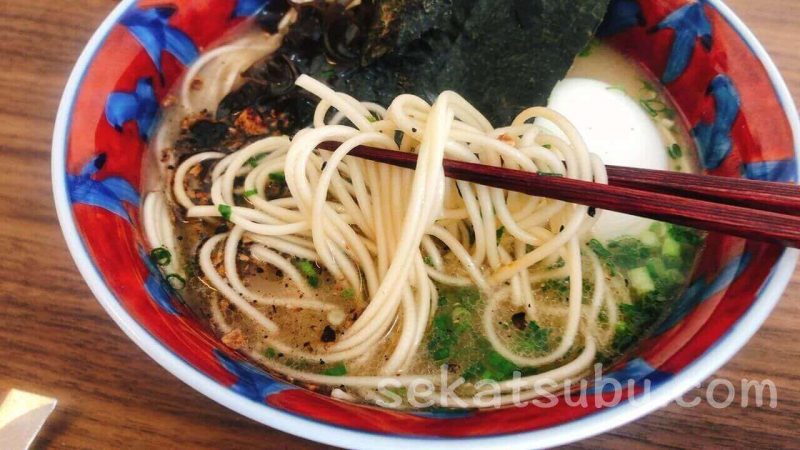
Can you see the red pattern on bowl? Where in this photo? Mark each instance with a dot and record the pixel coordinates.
(736, 285)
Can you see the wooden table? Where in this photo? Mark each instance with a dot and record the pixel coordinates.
(56, 340)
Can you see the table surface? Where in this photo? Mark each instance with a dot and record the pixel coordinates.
(118, 397)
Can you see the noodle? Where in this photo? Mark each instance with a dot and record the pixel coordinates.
(384, 231)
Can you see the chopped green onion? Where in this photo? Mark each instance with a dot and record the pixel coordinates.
(328, 74)
(685, 235)
(176, 281)
(428, 260)
(534, 339)
(653, 106)
(640, 280)
(349, 294)
(307, 268)
(675, 151)
(441, 354)
(270, 353)
(648, 87)
(250, 193)
(547, 146)
(255, 160)
(160, 256)
(339, 370)
(371, 118)
(278, 177)
(549, 174)
(599, 249)
(671, 247)
(461, 317)
(225, 211)
(649, 239)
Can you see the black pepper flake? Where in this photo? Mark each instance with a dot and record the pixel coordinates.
(328, 335)
(279, 273)
(413, 130)
(561, 229)
(518, 320)
(259, 270)
(592, 211)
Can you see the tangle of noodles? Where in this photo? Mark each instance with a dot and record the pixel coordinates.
(386, 233)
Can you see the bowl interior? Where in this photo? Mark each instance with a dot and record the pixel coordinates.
(729, 95)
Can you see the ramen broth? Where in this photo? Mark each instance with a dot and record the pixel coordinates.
(644, 273)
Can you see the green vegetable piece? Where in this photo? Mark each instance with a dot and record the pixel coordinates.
(254, 161)
(278, 178)
(467, 297)
(656, 268)
(640, 280)
(160, 256)
(650, 239)
(628, 252)
(559, 286)
(659, 228)
(250, 193)
(534, 339)
(671, 248)
(442, 337)
(462, 318)
(309, 270)
(428, 260)
(599, 249)
(270, 353)
(675, 151)
(441, 353)
(176, 281)
(500, 367)
(685, 235)
(474, 372)
(225, 211)
(349, 294)
(339, 370)
(328, 74)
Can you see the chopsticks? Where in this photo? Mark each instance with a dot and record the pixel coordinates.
(756, 210)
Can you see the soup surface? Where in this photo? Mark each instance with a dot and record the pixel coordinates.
(641, 266)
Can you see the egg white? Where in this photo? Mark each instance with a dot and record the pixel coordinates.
(617, 129)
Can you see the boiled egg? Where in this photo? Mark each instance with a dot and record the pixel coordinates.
(617, 129)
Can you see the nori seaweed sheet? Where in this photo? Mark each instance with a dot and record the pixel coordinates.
(501, 55)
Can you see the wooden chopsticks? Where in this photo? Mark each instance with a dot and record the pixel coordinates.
(756, 210)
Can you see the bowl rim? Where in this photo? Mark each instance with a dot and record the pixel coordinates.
(689, 377)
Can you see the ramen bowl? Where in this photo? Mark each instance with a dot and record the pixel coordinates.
(716, 72)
